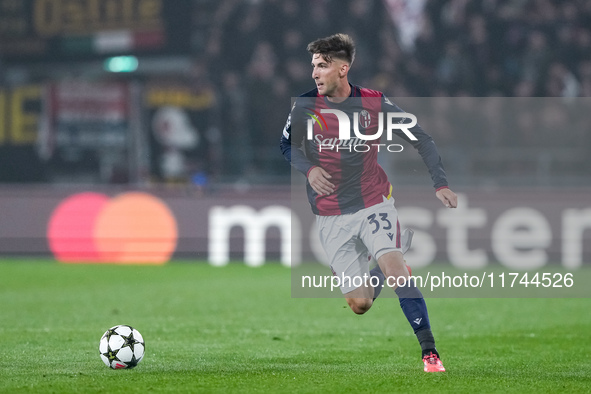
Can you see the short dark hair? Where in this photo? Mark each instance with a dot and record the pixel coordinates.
(337, 46)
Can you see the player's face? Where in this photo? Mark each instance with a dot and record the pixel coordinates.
(328, 76)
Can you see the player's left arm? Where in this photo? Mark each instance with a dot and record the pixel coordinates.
(447, 197)
(426, 147)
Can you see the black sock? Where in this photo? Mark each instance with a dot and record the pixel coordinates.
(415, 309)
(377, 273)
(427, 342)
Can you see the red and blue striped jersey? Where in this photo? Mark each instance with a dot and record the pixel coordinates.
(359, 180)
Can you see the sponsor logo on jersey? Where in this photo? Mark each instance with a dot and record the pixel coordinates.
(360, 119)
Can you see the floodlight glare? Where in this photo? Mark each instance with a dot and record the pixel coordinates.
(121, 64)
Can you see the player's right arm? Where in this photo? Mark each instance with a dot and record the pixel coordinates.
(319, 180)
(292, 140)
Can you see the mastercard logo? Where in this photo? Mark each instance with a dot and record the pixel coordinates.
(130, 228)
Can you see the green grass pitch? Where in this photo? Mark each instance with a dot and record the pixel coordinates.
(237, 329)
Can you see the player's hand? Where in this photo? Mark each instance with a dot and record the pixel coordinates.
(319, 180)
(447, 197)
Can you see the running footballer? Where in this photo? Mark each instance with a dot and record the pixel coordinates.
(349, 191)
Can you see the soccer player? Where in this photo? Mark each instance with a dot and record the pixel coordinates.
(349, 191)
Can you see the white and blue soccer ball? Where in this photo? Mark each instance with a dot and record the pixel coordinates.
(121, 347)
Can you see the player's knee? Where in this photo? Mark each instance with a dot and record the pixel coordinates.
(360, 305)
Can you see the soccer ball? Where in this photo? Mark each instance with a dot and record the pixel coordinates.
(121, 347)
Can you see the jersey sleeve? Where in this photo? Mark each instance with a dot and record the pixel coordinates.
(292, 142)
(424, 144)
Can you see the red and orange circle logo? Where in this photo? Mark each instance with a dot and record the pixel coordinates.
(130, 228)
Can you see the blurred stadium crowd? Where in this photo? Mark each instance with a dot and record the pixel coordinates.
(434, 48)
(248, 58)
(256, 58)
